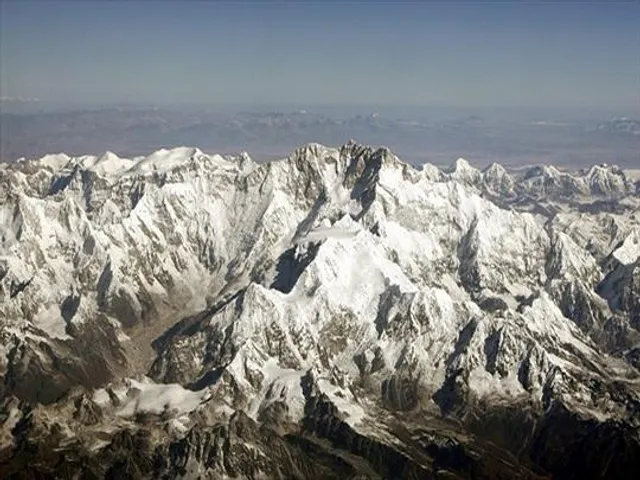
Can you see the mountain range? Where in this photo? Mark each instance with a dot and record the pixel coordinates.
(338, 313)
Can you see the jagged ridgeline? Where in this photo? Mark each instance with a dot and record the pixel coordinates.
(335, 314)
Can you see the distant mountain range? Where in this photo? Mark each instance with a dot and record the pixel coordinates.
(621, 125)
(439, 139)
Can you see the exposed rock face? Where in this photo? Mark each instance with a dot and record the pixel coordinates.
(336, 313)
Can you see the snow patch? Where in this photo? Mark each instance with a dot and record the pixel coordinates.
(149, 397)
(629, 251)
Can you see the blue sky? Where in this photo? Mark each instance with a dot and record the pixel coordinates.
(314, 53)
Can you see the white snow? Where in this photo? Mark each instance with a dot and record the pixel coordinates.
(50, 320)
(110, 164)
(344, 400)
(629, 251)
(280, 384)
(322, 233)
(149, 397)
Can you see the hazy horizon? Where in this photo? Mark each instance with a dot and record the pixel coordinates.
(575, 137)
